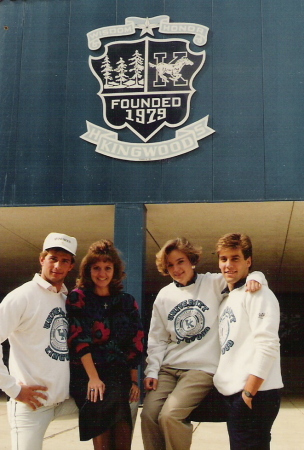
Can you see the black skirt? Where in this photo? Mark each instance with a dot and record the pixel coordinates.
(96, 418)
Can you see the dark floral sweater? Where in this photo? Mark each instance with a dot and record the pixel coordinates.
(107, 327)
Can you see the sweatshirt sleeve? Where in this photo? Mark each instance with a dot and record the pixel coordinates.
(158, 340)
(12, 309)
(129, 333)
(264, 318)
(79, 336)
(257, 276)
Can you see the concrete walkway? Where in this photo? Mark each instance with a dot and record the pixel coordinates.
(288, 431)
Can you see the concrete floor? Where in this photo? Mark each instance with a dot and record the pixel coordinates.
(287, 432)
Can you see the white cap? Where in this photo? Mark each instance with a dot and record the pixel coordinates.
(60, 240)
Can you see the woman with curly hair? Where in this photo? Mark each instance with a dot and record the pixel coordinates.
(105, 339)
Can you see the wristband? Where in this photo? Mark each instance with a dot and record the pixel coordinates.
(135, 382)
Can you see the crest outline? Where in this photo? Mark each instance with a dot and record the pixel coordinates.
(156, 92)
(189, 91)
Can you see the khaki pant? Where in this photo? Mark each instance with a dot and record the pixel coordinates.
(165, 411)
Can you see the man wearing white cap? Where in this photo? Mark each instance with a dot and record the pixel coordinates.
(33, 318)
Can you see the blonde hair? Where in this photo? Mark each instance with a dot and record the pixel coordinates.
(183, 245)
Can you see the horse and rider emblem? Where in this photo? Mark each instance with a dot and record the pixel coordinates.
(172, 69)
(146, 84)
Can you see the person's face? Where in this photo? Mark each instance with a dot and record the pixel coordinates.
(102, 273)
(179, 267)
(233, 265)
(55, 266)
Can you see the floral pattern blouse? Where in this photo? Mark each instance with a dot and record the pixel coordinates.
(107, 327)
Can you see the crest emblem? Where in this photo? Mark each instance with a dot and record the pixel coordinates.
(147, 84)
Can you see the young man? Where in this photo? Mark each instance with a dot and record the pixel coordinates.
(33, 318)
(248, 374)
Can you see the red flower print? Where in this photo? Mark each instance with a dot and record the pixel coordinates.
(79, 347)
(100, 333)
(80, 298)
(138, 340)
(73, 333)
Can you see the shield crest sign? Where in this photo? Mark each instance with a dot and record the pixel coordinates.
(146, 84)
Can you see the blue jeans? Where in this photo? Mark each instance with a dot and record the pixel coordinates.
(251, 428)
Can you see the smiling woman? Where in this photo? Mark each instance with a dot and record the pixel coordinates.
(102, 273)
(105, 338)
(179, 267)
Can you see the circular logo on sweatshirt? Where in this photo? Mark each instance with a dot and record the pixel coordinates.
(59, 334)
(226, 319)
(189, 323)
(224, 330)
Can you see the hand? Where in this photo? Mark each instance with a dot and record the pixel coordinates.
(253, 286)
(30, 395)
(96, 389)
(134, 393)
(247, 400)
(150, 384)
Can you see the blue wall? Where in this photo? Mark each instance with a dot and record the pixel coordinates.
(251, 86)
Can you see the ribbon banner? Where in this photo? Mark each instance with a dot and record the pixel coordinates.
(147, 25)
(186, 139)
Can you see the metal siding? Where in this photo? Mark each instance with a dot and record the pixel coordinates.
(251, 86)
(283, 43)
(238, 102)
(87, 175)
(42, 98)
(10, 56)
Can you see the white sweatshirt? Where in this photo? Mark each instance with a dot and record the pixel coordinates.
(184, 325)
(248, 328)
(33, 318)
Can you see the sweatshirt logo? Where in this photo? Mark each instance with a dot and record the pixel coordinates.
(189, 320)
(224, 329)
(58, 325)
